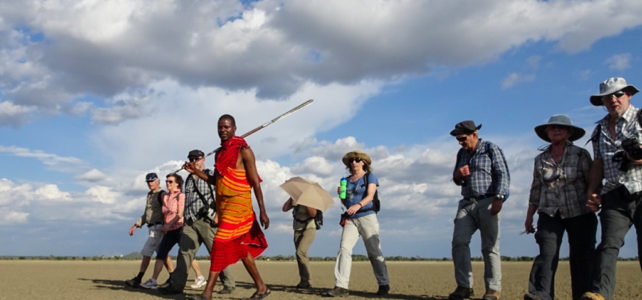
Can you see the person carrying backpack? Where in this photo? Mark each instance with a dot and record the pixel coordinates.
(305, 230)
(360, 219)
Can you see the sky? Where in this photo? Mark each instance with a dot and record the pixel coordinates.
(95, 94)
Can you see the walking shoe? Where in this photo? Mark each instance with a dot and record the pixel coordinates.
(529, 296)
(303, 285)
(227, 290)
(592, 296)
(337, 292)
(134, 282)
(492, 295)
(199, 282)
(150, 284)
(461, 293)
(383, 290)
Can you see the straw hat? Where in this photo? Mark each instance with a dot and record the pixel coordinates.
(560, 120)
(356, 154)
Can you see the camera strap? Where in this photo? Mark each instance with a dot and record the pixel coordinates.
(199, 192)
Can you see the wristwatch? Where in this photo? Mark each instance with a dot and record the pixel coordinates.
(500, 197)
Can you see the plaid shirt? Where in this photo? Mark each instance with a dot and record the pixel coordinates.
(193, 202)
(561, 187)
(488, 171)
(604, 147)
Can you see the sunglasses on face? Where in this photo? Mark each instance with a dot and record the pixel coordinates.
(355, 159)
(194, 159)
(169, 181)
(462, 138)
(617, 95)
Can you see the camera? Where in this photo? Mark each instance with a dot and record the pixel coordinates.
(632, 148)
(208, 213)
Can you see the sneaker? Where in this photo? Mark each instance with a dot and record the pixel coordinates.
(492, 295)
(530, 296)
(199, 282)
(383, 290)
(337, 292)
(303, 285)
(150, 284)
(592, 296)
(134, 282)
(461, 293)
(227, 290)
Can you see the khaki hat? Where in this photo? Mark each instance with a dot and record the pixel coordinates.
(356, 154)
(611, 86)
(560, 120)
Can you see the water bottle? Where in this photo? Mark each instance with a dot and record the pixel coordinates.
(343, 187)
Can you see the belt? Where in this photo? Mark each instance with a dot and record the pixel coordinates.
(477, 198)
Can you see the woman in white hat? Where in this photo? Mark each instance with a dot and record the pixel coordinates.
(558, 195)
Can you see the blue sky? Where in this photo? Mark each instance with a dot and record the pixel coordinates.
(94, 96)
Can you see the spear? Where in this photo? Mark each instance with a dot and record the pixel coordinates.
(266, 124)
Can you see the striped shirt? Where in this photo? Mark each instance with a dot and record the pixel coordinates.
(561, 186)
(193, 202)
(605, 148)
(488, 171)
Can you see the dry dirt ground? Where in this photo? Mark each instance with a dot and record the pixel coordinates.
(44, 279)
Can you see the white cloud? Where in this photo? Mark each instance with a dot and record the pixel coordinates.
(51, 193)
(619, 62)
(13, 217)
(92, 175)
(514, 78)
(14, 115)
(272, 49)
(57, 162)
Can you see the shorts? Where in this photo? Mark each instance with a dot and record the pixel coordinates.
(154, 239)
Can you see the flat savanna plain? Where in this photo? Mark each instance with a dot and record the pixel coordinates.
(104, 279)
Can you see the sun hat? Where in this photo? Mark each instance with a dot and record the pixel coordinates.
(356, 154)
(611, 86)
(560, 120)
(151, 177)
(465, 127)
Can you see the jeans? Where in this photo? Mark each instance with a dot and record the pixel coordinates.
(200, 232)
(302, 241)
(581, 239)
(368, 228)
(473, 215)
(620, 210)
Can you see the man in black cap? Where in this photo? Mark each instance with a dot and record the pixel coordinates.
(153, 217)
(482, 173)
(199, 227)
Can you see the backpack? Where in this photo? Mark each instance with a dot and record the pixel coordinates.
(318, 219)
(376, 204)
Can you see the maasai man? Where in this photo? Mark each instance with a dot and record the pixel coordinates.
(239, 236)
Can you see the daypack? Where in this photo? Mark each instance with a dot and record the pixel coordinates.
(318, 219)
(376, 204)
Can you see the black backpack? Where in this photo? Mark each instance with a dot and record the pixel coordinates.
(376, 204)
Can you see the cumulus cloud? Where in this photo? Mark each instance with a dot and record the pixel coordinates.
(619, 62)
(271, 48)
(14, 115)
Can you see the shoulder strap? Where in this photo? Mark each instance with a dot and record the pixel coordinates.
(160, 197)
(199, 192)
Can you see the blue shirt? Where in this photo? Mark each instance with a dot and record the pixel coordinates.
(488, 171)
(356, 191)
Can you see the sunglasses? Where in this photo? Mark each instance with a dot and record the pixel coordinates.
(169, 181)
(355, 159)
(193, 159)
(617, 95)
(462, 138)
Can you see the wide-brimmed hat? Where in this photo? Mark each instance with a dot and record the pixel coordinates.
(611, 86)
(356, 154)
(560, 120)
(465, 127)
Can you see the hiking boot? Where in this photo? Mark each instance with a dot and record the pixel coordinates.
(150, 284)
(491, 295)
(530, 296)
(461, 293)
(337, 292)
(383, 290)
(592, 296)
(227, 290)
(199, 282)
(303, 285)
(134, 282)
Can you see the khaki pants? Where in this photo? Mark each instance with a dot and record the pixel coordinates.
(302, 241)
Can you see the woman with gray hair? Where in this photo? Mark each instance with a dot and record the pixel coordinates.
(360, 219)
(558, 194)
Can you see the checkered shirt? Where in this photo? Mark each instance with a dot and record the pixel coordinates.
(193, 202)
(604, 147)
(566, 191)
(488, 171)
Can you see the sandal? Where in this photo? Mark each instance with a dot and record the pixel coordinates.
(258, 296)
